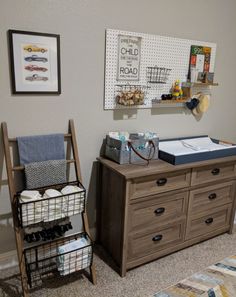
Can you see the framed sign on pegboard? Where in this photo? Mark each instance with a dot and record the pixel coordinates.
(129, 56)
(140, 67)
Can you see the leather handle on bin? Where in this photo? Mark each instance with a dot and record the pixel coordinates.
(215, 171)
(212, 196)
(162, 181)
(209, 221)
(159, 210)
(142, 157)
(157, 237)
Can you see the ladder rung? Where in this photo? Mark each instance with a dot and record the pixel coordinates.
(68, 135)
(19, 168)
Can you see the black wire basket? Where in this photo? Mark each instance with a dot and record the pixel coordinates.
(48, 260)
(51, 209)
(157, 75)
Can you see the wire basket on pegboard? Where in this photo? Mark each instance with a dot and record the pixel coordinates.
(130, 95)
(157, 75)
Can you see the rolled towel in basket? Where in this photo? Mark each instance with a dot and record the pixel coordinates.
(46, 173)
(74, 196)
(71, 189)
(51, 193)
(26, 196)
(54, 208)
(31, 206)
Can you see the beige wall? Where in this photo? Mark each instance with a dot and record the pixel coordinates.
(81, 25)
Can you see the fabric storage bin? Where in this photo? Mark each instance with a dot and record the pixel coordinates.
(138, 149)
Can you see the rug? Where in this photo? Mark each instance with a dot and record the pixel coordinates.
(218, 280)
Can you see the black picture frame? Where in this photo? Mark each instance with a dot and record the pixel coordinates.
(34, 62)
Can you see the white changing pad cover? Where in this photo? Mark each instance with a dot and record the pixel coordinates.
(191, 146)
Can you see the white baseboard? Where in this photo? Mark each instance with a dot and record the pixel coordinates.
(93, 233)
(8, 260)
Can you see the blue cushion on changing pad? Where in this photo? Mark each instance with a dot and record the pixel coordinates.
(41, 148)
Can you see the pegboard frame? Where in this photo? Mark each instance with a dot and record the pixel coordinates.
(156, 50)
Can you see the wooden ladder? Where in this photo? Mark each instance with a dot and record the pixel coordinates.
(70, 137)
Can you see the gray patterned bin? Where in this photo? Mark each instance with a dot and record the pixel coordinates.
(122, 153)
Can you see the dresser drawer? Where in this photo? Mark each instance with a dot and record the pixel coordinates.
(157, 240)
(210, 197)
(158, 210)
(211, 221)
(212, 173)
(159, 183)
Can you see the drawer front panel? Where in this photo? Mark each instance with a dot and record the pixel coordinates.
(155, 240)
(212, 196)
(157, 210)
(212, 173)
(212, 221)
(160, 183)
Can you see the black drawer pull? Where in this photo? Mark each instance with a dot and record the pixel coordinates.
(209, 221)
(157, 238)
(215, 171)
(159, 210)
(212, 196)
(162, 181)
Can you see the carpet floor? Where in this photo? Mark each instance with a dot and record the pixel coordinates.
(143, 281)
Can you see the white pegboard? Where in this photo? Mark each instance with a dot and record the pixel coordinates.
(161, 51)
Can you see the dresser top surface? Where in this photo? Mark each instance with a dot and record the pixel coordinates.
(158, 166)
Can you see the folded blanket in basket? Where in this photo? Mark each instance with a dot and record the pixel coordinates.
(75, 203)
(74, 256)
(41, 148)
(41, 174)
(53, 208)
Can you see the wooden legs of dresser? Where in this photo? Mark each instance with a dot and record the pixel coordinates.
(233, 215)
(125, 219)
(232, 227)
(123, 271)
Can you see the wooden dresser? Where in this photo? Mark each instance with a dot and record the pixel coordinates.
(150, 211)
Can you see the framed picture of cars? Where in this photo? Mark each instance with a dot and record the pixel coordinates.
(35, 62)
